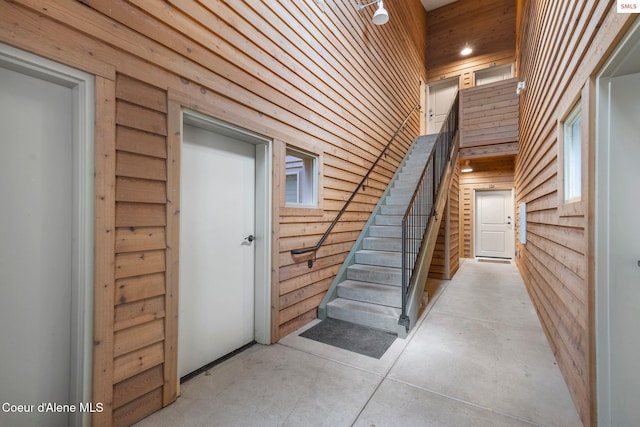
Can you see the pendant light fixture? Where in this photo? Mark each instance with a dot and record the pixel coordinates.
(381, 16)
(467, 167)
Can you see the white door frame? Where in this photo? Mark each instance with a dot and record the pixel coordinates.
(83, 89)
(617, 64)
(263, 207)
(512, 251)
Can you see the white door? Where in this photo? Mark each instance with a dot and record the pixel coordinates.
(217, 214)
(624, 250)
(494, 224)
(441, 96)
(40, 259)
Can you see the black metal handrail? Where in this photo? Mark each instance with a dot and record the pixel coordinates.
(422, 205)
(317, 246)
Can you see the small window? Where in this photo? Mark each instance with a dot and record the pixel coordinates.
(493, 74)
(301, 179)
(572, 154)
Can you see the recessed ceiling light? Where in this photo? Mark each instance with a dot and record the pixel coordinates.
(466, 51)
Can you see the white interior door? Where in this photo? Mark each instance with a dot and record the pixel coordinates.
(441, 96)
(494, 224)
(38, 243)
(217, 213)
(624, 247)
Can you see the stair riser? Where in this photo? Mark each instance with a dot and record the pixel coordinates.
(402, 192)
(404, 186)
(382, 244)
(385, 231)
(385, 323)
(386, 278)
(401, 201)
(414, 165)
(382, 260)
(392, 298)
(393, 210)
(388, 220)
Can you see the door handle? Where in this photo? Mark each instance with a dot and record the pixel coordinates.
(250, 238)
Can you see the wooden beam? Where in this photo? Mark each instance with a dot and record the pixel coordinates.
(104, 263)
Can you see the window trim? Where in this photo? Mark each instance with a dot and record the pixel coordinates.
(280, 169)
(569, 163)
(575, 206)
(304, 187)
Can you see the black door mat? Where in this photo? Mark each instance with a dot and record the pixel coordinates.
(352, 337)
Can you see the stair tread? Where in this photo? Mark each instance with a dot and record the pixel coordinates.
(376, 238)
(376, 268)
(378, 252)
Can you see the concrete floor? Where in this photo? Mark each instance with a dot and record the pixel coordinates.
(478, 357)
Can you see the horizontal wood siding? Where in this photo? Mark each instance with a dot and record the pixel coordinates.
(140, 255)
(454, 223)
(446, 256)
(489, 117)
(317, 77)
(561, 46)
(488, 174)
(439, 261)
(487, 26)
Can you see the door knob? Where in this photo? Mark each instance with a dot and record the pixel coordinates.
(250, 238)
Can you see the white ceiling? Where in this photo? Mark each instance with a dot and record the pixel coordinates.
(434, 4)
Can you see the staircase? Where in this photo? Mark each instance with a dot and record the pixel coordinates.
(381, 283)
(369, 286)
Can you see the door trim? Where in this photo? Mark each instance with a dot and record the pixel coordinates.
(600, 206)
(179, 108)
(475, 220)
(83, 93)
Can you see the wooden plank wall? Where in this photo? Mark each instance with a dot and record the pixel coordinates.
(454, 222)
(561, 46)
(488, 174)
(446, 256)
(488, 26)
(140, 260)
(318, 77)
(489, 116)
(439, 261)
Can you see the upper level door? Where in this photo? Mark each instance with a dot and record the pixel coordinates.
(494, 224)
(441, 96)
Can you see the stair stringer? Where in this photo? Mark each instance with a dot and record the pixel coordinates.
(414, 300)
(332, 292)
